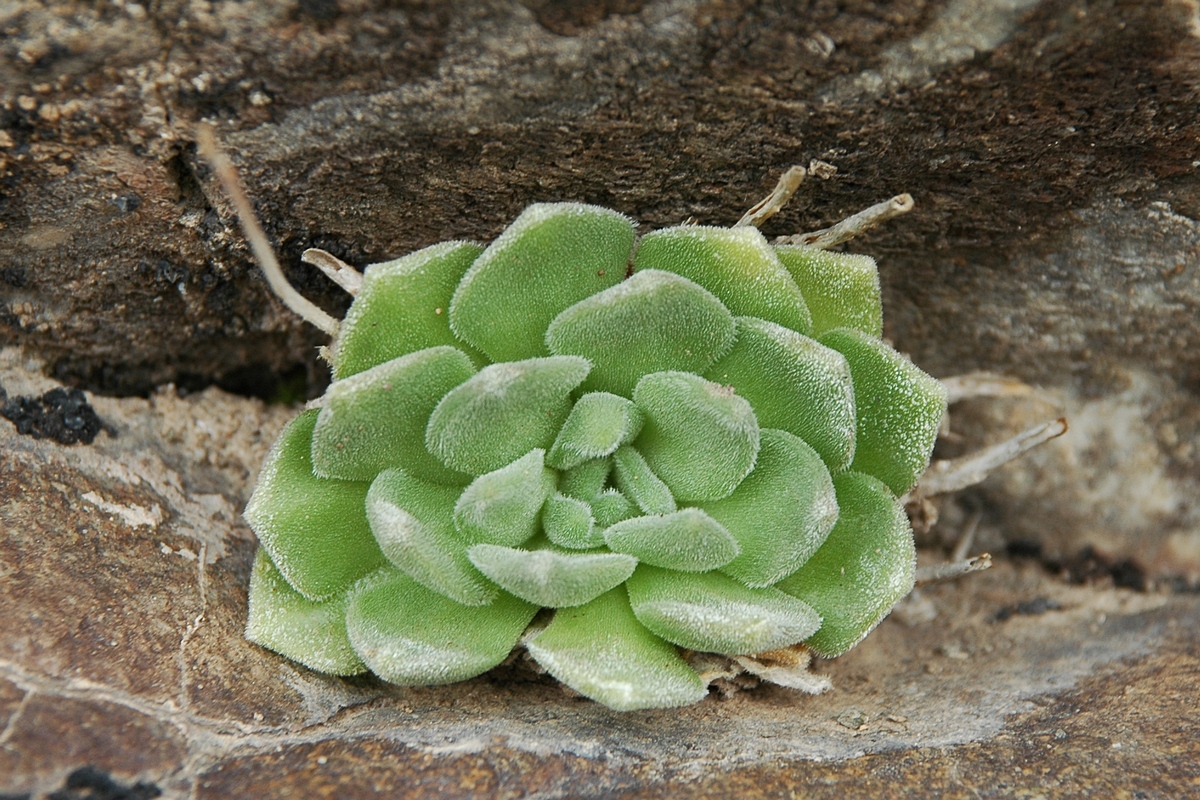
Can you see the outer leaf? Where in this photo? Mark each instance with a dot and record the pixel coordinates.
(715, 614)
(735, 264)
(413, 521)
(376, 419)
(503, 506)
(842, 289)
(779, 515)
(568, 522)
(652, 322)
(601, 651)
(639, 483)
(586, 480)
(688, 540)
(412, 636)
(315, 530)
(551, 257)
(795, 384)
(503, 412)
(899, 409)
(598, 424)
(283, 620)
(700, 438)
(610, 507)
(552, 578)
(403, 307)
(864, 567)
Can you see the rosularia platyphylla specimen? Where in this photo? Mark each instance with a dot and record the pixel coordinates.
(694, 441)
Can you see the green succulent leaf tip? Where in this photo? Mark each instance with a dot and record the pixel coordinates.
(697, 446)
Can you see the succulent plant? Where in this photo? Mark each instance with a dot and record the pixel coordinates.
(690, 441)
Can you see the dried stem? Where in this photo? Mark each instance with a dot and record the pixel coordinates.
(335, 269)
(953, 569)
(852, 226)
(228, 176)
(770, 205)
(984, 384)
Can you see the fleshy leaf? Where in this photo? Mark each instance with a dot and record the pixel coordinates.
(735, 264)
(283, 620)
(410, 635)
(413, 521)
(586, 480)
(402, 307)
(598, 424)
(841, 289)
(864, 567)
(503, 412)
(610, 507)
(314, 529)
(568, 522)
(781, 513)
(688, 540)
(795, 384)
(700, 438)
(639, 483)
(601, 651)
(899, 409)
(552, 578)
(653, 321)
(376, 419)
(549, 258)
(503, 506)
(715, 614)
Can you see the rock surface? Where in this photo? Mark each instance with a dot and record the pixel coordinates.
(1053, 150)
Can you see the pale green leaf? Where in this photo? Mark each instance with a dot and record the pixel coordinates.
(781, 513)
(413, 521)
(568, 522)
(795, 384)
(899, 409)
(503, 412)
(841, 289)
(865, 566)
(503, 506)
(735, 264)
(283, 620)
(700, 438)
(715, 614)
(376, 419)
(549, 258)
(314, 529)
(598, 424)
(688, 540)
(402, 307)
(586, 480)
(610, 507)
(653, 321)
(412, 636)
(549, 577)
(601, 651)
(638, 482)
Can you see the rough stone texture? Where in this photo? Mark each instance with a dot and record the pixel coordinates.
(1052, 147)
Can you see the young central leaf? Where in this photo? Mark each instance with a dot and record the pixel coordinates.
(552, 578)
(781, 513)
(413, 522)
(735, 264)
(688, 540)
(863, 568)
(568, 522)
(598, 424)
(794, 383)
(700, 438)
(601, 651)
(503, 412)
(654, 321)
(841, 289)
(502, 507)
(551, 257)
(315, 530)
(376, 419)
(899, 409)
(639, 483)
(412, 636)
(715, 614)
(402, 307)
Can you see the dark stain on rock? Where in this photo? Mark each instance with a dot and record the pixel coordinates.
(91, 783)
(63, 415)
